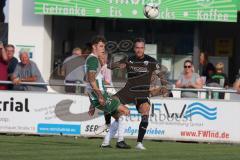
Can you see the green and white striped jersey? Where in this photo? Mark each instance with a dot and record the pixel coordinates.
(92, 64)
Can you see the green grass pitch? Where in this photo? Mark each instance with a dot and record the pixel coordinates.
(69, 148)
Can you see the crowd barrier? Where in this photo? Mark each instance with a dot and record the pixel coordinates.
(201, 120)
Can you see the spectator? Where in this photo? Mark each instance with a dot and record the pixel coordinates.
(219, 79)
(106, 72)
(3, 67)
(205, 68)
(73, 69)
(189, 79)
(12, 61)
(3, 25)
(27, 71)
(2, 16)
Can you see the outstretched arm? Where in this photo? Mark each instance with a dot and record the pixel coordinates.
(119, 64)
(163, 75)
(162, 88)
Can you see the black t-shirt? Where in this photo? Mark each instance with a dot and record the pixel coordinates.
(205, 70)
(12, 65)
(139, 72)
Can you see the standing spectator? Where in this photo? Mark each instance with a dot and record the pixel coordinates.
(205, 67)
(2, 16)
(12, 61)
(27, 71)
(3, 67)
(106, 72)
(73, 69)
(3, 25)
(189, 79)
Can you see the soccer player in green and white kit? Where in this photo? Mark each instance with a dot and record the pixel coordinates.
(100, 99)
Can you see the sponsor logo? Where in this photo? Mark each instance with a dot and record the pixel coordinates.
(91, 128)
(12, 105)
(208, 134)
(187, 112)
(149, 131)
(197, 108)
(62, 129)
(62, 111)
(160, 112)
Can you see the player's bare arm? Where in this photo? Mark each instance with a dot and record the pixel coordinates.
(92, 81)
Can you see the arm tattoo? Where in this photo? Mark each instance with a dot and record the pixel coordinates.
(93, 83)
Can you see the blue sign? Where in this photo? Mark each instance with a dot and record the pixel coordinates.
(66, 129)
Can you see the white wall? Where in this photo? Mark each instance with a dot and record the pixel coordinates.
(26, 28)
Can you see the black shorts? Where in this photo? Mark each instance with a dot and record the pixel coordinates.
(140, 101)
(132, 98)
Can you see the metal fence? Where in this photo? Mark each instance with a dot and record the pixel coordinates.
(208, 91)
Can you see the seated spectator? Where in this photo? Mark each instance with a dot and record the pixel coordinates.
(12, 62)
(189, 79)
(205, 68)
(219, 79)
(27, 71)
(3, 67)
(73, 69)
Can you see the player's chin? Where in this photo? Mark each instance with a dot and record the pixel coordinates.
(139, 54)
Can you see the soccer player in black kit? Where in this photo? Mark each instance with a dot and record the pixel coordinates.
(137, 89)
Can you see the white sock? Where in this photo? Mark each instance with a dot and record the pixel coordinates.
(111, 133)
(121, 128)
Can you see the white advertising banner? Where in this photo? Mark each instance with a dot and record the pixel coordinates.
(171, 119)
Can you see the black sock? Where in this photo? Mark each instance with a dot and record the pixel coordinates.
(107, 118)
(142, 128)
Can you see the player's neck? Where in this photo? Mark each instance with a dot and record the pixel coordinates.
(140, 57)
(95, 54)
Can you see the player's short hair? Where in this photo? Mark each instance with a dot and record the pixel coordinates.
(139, 39)
(87, 49)
(98, 39)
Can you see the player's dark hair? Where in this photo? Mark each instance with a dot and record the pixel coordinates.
(87, 47)
(139, 39)
(98, 39)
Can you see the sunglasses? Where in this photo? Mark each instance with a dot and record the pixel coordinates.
(187, 66)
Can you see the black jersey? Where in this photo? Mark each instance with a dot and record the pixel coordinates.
(139, 72)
